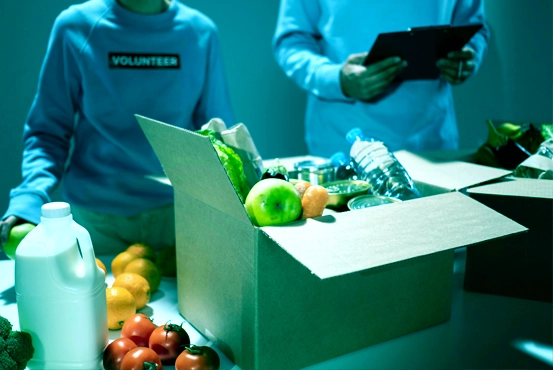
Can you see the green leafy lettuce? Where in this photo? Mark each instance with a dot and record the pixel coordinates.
(547, 131)
(231, 162)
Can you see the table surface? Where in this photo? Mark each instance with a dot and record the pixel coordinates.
(484, 332)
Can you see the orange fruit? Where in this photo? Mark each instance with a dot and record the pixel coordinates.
(121, 261)
(143, 251)
(314, 201)
(102, 266)
(166, 261)
(148, 270)
(302, 186)
(120, 306)
(136, 285)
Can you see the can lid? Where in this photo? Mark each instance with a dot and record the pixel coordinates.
(365, 201)
(56, 210)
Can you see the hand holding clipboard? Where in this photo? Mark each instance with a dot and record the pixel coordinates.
(422, 48)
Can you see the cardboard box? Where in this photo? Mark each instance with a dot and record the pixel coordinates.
(289, 296)
(518, 266)
(521, 265)
(442, 172)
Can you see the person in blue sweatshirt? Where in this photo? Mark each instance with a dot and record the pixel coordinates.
(321, 45)
(106, 61)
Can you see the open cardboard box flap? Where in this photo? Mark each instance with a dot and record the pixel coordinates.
(446, 174)
(336, 244)
(353, 241)
(185, 157)
(520, 187)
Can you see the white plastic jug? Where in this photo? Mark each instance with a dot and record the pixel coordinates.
(60, 290)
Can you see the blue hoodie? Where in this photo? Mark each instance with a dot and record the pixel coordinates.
(103, 65)
(313, 39)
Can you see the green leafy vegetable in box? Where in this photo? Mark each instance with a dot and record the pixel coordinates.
(547, 131)
(510, 144)
(231, 162)
(16, 347)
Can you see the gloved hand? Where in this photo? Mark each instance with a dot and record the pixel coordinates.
(5, 227)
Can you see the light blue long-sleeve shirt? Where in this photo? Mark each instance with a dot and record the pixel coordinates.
(313, 39)
(103, 65)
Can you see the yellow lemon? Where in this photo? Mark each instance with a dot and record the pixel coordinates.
(120, 306)
(136, 285)
(121, 261)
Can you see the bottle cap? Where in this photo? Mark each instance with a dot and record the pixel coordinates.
(338, 158)
(353, 134)
(56, 210)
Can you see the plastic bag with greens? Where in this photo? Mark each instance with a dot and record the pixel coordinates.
(547, 131)
(231, 162)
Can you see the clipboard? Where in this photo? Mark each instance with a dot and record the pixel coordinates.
(421, 47)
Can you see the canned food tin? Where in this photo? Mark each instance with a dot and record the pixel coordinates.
(365, 201)
(340, 192)
(317, 171)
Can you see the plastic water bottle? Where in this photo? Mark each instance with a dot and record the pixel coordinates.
(60, 291)
(344, 169)
(376, 165)
(538, 165)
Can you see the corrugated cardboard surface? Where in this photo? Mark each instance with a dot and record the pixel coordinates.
(303, 320)
(463, 155)
(446, 174)
(521, 265)
(518, 187)
(216, 277)
(358, 240)
(185, 156)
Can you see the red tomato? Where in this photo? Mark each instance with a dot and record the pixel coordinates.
(168, 341)
(138, 328)
(198, 358)
(141, 358)
(115, 351)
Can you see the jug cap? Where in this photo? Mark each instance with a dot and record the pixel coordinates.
(56, 210)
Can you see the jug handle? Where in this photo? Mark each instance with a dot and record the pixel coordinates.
(87, 251)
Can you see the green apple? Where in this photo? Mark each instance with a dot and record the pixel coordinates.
(273, 201)
(17, 233)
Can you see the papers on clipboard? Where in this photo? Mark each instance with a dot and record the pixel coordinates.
(421, 48)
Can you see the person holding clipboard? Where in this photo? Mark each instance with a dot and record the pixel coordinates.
(384, 66)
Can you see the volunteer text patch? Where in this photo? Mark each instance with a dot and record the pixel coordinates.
(126, 60)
